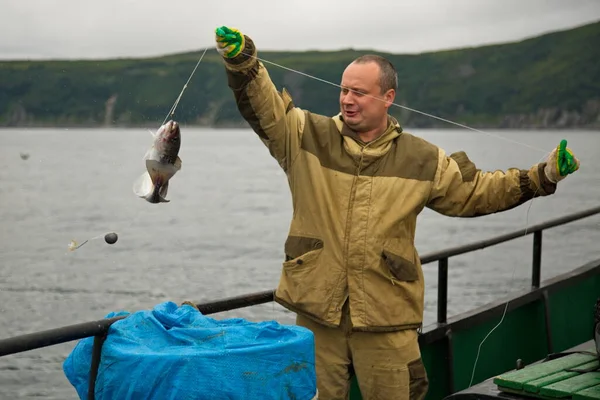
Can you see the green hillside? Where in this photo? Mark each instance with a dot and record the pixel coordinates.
(548, 81)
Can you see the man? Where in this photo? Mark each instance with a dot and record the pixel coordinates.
(358, 182)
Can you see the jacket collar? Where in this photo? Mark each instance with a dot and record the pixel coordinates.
(393, 131)
(367, 152)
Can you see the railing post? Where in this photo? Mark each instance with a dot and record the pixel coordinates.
(537, 260)
(442, 301)
(95, 364)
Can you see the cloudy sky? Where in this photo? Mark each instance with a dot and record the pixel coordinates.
(36, 29)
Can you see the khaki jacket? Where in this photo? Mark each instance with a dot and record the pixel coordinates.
(355, 205)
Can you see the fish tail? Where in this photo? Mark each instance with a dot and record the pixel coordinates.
(152, 191)
(158, 194)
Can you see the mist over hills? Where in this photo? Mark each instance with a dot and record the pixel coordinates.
(549, 81)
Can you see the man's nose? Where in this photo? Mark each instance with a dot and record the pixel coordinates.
(348, 98)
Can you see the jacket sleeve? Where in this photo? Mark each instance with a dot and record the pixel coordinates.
(461, 190)
(271, 114)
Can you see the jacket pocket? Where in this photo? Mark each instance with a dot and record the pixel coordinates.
(419, 384)
(401, 268)
(302, 262)
(301, 284)
(295, 246)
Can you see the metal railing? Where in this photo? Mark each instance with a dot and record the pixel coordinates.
(442, 256)
(99, 328)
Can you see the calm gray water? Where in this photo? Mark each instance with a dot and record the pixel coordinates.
(223, 232)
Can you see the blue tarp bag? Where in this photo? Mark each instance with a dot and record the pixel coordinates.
(175, 352)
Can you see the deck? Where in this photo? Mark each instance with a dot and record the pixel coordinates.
(564, 377)
(449, 346)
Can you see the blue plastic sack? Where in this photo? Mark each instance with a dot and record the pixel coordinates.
(173, 352)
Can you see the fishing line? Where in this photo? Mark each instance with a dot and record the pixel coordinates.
(510, 285)
(172, 111)
(170, 114)
(395, 104)
(546, 154)
(111, 237)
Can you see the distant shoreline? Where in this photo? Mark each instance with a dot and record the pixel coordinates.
(548, 82)
(152, 126)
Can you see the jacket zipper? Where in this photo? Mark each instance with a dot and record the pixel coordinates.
(350, 210)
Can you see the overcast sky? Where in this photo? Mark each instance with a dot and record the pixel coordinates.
(36, 29)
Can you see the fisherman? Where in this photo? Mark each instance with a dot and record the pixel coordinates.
(358, 181)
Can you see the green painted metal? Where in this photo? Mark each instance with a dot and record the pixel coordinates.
(573, 307)
(435, 360)
(354, 390)
(521, 335)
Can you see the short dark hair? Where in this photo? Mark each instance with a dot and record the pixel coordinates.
(389, 77)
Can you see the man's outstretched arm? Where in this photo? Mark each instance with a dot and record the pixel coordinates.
(271, 114)
(461, 190)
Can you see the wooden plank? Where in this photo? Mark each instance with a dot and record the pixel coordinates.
(516, 379)
(535, 385)
(572, 385)
(591, 393)
(522, 395)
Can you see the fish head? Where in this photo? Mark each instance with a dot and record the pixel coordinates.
(162, 163)
(168, 138)
(170, 132)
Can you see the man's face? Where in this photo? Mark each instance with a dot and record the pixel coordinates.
(362, 104)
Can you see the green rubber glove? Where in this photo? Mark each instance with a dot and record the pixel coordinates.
(561, 162)
(230, 41)
(566, 161)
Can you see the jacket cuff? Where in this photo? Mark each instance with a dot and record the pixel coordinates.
(244, 61)
(546, 185)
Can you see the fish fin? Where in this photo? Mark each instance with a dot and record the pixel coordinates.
(163, 191)
(177, 163)
(158, 194)
(149, 153)
(152, 165)
(161, 171)
(143, 185)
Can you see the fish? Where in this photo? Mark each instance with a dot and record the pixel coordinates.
(162, 163)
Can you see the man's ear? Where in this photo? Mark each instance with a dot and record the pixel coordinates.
(389, 97)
